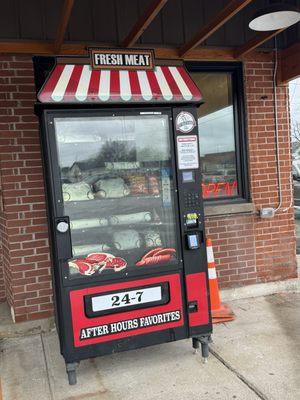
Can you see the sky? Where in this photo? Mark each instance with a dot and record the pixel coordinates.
(216, 131)
(295, 103)
(80, 139)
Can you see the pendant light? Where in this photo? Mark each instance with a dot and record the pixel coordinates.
(275, 16)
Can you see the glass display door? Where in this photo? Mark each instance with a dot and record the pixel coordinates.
(117, 187)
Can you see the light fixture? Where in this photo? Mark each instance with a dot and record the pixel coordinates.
(276, 16)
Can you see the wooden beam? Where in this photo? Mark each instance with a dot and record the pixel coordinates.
(290, 63)
(252, 44)
(26, 47)
(167, 53)
(143, 23)
(62, 26)
(232, 8)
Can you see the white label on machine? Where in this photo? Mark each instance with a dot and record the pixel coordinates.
(128, 298)
(187, 148)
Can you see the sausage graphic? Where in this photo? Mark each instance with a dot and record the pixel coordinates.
(161, 252)
(157, 256)
(154, 260)
(151, 253)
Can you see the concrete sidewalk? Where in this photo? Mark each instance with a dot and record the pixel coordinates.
(255, 357)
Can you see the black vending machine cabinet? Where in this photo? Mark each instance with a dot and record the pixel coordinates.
(122, 168)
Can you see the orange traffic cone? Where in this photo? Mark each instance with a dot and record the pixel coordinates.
(220, 312)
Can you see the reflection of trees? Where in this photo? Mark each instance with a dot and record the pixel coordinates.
(296, 131)
(151, 154)
(218, 162)
(116, 150)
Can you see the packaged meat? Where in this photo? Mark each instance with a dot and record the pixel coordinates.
(153, 183)
(110, 188)
(126, 239)
(134, 218)
(88, 223)
(86, 249)
(137, 184)
(77, 191)
(152, 238)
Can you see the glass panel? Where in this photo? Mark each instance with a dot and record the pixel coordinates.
(294, 96)
(117, 186)
(217, 137)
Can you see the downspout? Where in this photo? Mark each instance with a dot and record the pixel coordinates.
(276, 129)
(288, 129)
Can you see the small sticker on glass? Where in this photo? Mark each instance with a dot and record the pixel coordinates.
(185, 122)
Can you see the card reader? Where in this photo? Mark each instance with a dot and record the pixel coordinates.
(193, 241)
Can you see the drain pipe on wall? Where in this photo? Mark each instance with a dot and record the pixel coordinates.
(269, 212)
(288, 129)
(276, 129)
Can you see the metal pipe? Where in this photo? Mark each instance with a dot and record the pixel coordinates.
(288, 129)
(276, 129)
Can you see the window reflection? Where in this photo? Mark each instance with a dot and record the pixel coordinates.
(217, 136)
(116, 181)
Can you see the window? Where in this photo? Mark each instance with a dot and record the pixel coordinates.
(221, 130)
(118, 190)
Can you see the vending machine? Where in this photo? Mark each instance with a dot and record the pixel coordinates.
(123, 183)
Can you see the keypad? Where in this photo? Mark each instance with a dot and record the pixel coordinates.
(191, 199)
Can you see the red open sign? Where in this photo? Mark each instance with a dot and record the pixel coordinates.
(219, 189)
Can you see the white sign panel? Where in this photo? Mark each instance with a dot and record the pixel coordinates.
(128, 298)
(187, 149)
(129, 59)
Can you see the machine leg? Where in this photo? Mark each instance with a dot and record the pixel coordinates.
(71, 371)
(196, 345)
(204, 340)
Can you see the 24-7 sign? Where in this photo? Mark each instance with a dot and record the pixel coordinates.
(122, 59)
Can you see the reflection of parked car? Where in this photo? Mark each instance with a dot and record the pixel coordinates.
(220, 176)
(213, 177)
(230, 175)
(297, 212)
(296, 170)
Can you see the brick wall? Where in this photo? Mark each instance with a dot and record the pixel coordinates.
(274, 240)
(23, 220)
(247, 249)
(2, 286)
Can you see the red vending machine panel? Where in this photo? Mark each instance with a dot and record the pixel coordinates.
(114, 311)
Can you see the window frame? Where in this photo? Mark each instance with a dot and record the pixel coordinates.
(240, 127)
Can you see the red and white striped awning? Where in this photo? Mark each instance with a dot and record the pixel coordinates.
(69, 83)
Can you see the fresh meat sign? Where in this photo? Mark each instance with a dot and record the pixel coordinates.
(122, 59)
